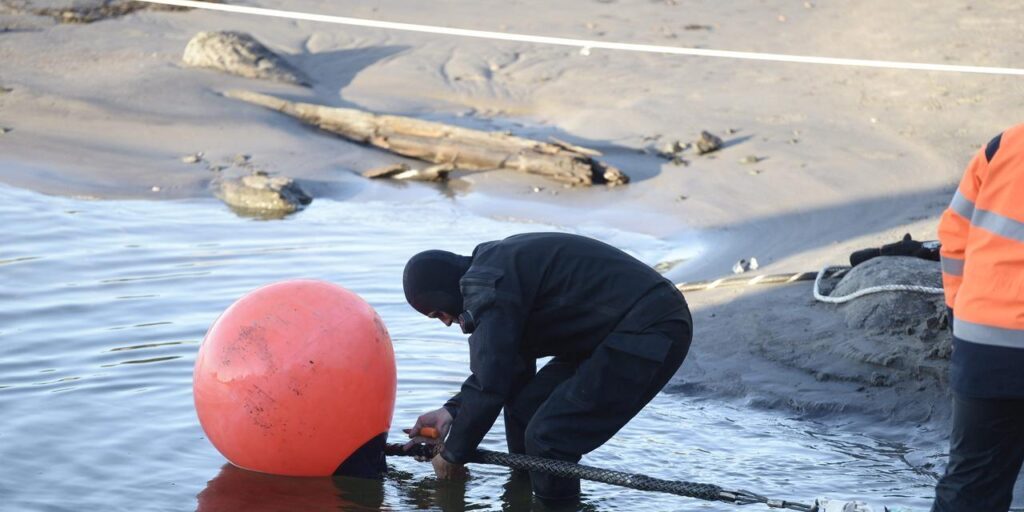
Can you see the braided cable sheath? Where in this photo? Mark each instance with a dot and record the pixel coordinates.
(734, 281)
(706, 492)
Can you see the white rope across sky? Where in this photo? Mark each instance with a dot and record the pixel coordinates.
(586, 45)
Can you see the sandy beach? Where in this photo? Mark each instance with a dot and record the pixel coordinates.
(818, 160)
(108, 110)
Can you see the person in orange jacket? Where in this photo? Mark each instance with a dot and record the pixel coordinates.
(982, 236)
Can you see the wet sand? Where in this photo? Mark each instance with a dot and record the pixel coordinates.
(847, 158)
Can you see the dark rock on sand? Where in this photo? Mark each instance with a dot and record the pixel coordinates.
(707, 143)
(885, 354)
(895, 313)
(240, 54)
(263, 196)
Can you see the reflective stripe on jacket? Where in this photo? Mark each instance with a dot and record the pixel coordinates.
(982, 235)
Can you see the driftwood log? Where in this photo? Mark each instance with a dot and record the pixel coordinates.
(461, 148)
(437, 172)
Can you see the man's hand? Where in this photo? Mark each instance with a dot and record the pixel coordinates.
(447, 471)
(439, 420)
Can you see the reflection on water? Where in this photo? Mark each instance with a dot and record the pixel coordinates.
(235, 487)
(105, 304)
(238, 489)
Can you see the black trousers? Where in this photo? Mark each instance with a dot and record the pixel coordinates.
(570, 408)
(986, 449)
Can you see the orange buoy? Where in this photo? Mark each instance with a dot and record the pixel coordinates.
(294, 378)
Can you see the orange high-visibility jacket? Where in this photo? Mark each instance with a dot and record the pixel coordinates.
(982, 235)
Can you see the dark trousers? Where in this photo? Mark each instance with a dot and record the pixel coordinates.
(570, 408)
(985, 455)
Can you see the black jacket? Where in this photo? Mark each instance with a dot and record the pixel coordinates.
(536, 295)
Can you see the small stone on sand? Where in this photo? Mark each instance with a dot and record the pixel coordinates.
(194, 158)
(707, 143)
(673, 151)
(672, 148)
(742, 266)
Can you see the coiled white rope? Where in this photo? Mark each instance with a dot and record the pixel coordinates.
(865, 291)
(828, 271)
(586, 45)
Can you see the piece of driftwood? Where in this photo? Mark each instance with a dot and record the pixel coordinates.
(386, 171)
(437, 172)
(462, 148)
(573, 147)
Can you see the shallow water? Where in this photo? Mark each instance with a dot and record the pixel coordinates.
(105, 304)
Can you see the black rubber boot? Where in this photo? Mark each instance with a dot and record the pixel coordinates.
(555, 491)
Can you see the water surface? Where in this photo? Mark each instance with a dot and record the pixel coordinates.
(105, 304)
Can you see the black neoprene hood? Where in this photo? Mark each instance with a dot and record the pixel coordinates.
(431, 281)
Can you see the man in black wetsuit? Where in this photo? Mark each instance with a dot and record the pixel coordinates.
(616, 329)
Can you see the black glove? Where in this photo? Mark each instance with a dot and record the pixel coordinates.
(906, 247)
(863, 255)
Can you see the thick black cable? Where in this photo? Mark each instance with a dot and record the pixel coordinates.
(701, 491)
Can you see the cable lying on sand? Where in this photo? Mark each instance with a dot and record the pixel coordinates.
(928, 250)
(736, 281)
(817, 277)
